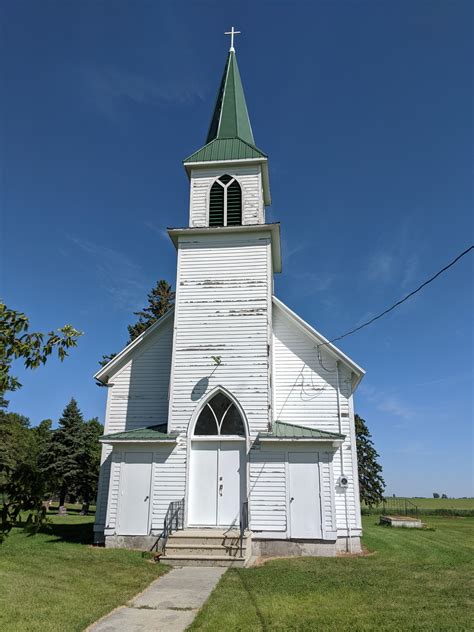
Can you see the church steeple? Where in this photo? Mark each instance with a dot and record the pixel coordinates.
(230, 118)
(230, 145)
(230, 135)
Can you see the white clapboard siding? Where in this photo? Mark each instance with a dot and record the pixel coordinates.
(169, 481)
(250, 181)
(267, 490)
(327, 498)
(222, 309)
(103, 488)
(114, 489)
(305, 392)
(139, 393)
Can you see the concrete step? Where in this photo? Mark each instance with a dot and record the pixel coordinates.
(207, 536)
(213, 550)
(202, 560)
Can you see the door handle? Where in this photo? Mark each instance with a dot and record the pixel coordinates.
(221, 487)
(291, 499)
(146, 499)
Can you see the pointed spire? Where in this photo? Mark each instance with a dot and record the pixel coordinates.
(230, 118)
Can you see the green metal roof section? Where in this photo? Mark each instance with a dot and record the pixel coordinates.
(225, 149)
(230, 118)
(230, 134)
(292, 432)
(150, 433)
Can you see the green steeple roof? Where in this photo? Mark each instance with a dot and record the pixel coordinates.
(231, 118)
(230, 133)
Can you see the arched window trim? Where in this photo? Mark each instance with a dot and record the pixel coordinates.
(199, 409)
(225, 186)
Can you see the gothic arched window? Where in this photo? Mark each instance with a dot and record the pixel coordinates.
(225, 202)
(220, 416)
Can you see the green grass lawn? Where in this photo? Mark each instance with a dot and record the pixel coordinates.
(57, 581)
(413, 580)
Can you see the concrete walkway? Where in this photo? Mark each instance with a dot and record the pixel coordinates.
(169, 603)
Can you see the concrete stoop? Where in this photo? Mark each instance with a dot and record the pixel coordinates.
(207, 547)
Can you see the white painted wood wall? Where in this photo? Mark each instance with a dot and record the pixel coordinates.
(250, 180)
(223, 308)
(137, 396)
(305, 392)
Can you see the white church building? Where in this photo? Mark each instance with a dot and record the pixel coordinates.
(229, 426)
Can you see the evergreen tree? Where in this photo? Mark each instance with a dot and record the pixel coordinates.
(371, 483)
(89, 460)
(160, 300)
(61, 461)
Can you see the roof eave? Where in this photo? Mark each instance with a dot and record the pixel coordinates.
(121, 441)
(358, 371)
(102, 374)
(334, 442)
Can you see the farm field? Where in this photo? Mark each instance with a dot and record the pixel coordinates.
(444, 503)
(429, 505)
(55, 581)
(412, 580)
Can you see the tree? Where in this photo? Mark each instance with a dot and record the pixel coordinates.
(435, 495)
(61, 461)
(443, 496)
(371, 483)
(89, 461)
(32, 348)
(21, 484)
(160, 300)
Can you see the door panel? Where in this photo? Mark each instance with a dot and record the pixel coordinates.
(216, 483)
(135, 482)
(231, 463)
(305, 514)
(203, 483)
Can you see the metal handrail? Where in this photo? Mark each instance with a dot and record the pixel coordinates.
(400, 506)
(244, 523)
(174, 521)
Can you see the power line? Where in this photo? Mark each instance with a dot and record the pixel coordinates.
(405, 298)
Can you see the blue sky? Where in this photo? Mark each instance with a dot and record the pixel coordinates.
(364, 109)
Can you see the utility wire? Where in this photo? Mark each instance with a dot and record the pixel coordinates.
(405, 298)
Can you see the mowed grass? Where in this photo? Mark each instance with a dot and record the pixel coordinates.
(413, 580)
(57, 581)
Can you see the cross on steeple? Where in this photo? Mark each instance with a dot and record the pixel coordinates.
(232, 33)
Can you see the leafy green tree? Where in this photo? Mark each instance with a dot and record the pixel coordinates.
(160, 300)
(89, 461)
(21, 483)
(435, 495)
(33, 348)
(371, 483)
(62, 460)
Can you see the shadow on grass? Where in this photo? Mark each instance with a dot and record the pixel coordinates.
(79, 533)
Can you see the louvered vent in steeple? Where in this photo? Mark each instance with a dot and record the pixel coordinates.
(225, 202)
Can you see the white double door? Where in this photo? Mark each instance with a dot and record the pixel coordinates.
(216, 483)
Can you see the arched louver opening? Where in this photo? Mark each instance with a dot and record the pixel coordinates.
(234, 204)
(225, 202)
(216, 205)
